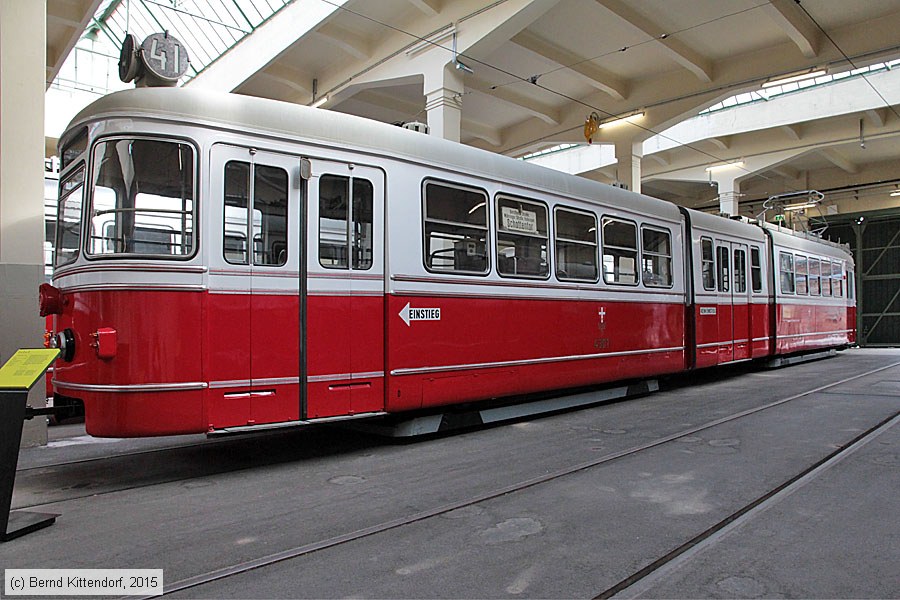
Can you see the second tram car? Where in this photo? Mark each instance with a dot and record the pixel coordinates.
(226, 262)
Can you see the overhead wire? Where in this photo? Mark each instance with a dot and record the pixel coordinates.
(548, 89)
(663, 36)
(849, 60)
(534, 80)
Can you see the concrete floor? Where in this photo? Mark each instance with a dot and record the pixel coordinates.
(190, 505)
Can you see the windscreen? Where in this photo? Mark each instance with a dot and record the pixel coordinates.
(143, 198)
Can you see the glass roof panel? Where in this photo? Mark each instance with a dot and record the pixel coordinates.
(207, 28)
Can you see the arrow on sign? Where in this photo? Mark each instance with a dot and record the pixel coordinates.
(404, 314)
(419, 314)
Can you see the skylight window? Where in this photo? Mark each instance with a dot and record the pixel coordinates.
(774, 91)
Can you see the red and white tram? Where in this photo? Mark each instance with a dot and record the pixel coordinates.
(226, 262)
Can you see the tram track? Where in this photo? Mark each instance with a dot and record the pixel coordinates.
(642, 580)
(696, 543)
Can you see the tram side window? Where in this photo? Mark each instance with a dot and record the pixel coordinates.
(851, 285)
(269, 210)
(801, 277)
(723, 272)
(814, 289)
(786, 264)
(455, 225)
(740, 272)
(707, 264)
(270, 203)
(620, 254)
(74, 148)
(656, 257)
(522, 238)
(68, 219)
(576, 245)
(344, 224)
(837, 279)
(826, 277)
(756, 270)
(237, 202)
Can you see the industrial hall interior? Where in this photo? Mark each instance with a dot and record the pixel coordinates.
(450, 298)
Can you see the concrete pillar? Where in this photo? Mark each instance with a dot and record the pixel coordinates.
(22, 67)
(443, 102)
(729, 192)
(628, 164)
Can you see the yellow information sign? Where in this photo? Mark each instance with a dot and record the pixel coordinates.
(25, 367)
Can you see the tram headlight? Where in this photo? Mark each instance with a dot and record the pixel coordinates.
(65, 341)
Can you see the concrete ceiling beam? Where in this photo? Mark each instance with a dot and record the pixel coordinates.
(593, 75)
(429, 8)
(675, 49)
(787, 172)
(288, 77)
(73, 17)
(352, 44)
(794, 132)
(267, 42)
(660, 158)
(721, 143)
(838, 160)
(491, 135)
(544, 112)
(878, 116)
(788, 15)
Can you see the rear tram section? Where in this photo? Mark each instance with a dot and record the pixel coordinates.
(237, 263)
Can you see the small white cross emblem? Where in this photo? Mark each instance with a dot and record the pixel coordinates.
(602, 313)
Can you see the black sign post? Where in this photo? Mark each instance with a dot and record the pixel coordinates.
(16, 377)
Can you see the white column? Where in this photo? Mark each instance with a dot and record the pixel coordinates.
(628, 164)
(22, 68)
(443, 102)
(729, 191)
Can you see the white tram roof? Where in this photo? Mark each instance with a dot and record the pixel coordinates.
(739, 228)
(282, 120)
(805, 242)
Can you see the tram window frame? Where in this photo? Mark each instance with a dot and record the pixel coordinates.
(851, 285)
(470, 240)
(563, 244)
(786, 272)
(667, 279)
(356, 202)
(708, 265)
(837, 279)
(756, 276)
(507, 235)
(188, 232)
(72, 148)
(740, 271)
(801, 276)
(723, 272)
(615, 276)
(826, 287)
(255, 229)
(67, 254)
(815, 277)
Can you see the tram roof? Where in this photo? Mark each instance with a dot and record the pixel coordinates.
(291, 121)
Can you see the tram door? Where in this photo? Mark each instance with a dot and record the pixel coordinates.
(734, 301)
(253, 232)
(725, 301)
(740, 302)
(345, 290)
